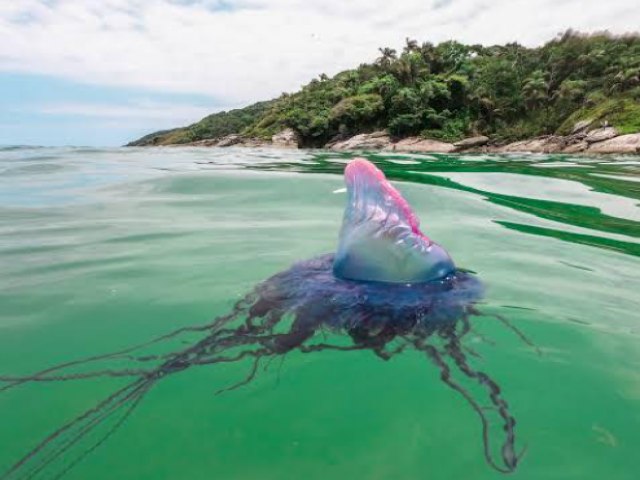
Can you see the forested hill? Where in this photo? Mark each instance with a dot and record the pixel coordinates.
(449, 91)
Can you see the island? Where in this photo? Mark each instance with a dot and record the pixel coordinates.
(578, 93)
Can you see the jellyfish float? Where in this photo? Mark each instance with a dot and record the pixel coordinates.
(387, 289)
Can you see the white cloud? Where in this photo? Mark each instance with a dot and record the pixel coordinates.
(247, 50)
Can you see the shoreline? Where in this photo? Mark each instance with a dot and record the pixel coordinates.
(604, 140)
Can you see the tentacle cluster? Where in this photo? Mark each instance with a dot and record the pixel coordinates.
(282, 314)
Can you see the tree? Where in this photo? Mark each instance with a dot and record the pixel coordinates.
(411, 45)
(536, 90)
(388, 55)
(359, 110)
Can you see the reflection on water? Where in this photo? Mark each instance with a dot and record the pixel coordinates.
(103, 248)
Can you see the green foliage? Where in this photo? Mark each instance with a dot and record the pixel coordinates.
(406, 101)
(386, 86)
(405, 124)
(623, 113)
(359, 110)
(450, 90)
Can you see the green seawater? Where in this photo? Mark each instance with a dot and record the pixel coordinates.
(105, 248)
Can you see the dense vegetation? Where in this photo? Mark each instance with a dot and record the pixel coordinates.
(450, 90)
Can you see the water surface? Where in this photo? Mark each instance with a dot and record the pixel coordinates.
(103, 248)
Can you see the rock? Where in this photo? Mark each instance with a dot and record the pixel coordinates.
(255, 143)
(576, 147)
(420, 145)
(471, 142)
(229, 140)
(378, 134)
(520, 146)
(336, 139)
(575, 138)
(621, 144)
(601, 134)
(287, 138)
(549, 144)
(581, 126)
(207, 142)
(364, 141)
(233, 140)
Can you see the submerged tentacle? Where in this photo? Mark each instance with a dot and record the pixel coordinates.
(131, 398)
(445, 376)
(130, 409)
(86, 421)
(252, 373)
(254, 337)
(508, 456)
(124, 354)
(77, 376)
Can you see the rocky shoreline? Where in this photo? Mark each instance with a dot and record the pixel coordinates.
(583, 139)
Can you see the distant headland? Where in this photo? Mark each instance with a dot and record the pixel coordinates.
(576, 93)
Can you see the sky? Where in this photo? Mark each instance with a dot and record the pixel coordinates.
(104, 72)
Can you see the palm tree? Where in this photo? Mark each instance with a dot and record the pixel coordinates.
(411, 45)
(483, 101)
(536, 90)
(387, 57)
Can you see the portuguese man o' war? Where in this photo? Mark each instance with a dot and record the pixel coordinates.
(387, 289)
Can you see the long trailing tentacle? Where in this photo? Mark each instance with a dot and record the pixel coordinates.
(258, 355)
(454, 350)
(132, 398)
(133, 405)
(508, 456)
(44, 375)
(126, 372)
(126, 398)
(254, 337)
(89, 418)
